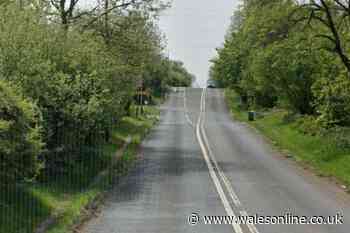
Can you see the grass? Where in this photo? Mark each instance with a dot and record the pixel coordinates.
(318, 152)
(23, 208)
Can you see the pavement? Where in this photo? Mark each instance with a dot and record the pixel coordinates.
(198, 161)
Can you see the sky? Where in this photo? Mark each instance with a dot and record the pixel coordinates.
(194, 29)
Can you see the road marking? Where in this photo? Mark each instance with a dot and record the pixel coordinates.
(236, 227)
(186, 109)
(224, 178)
(251, 227)
(227, 183)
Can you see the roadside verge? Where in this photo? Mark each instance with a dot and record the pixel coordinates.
(70, 211)
(316, 153)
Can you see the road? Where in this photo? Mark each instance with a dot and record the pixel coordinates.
(199, 160)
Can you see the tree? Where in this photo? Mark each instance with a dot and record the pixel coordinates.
(20, 138)
(81, 78)
(333, 16)
(74, 79)
(68, 12)
(253, 60)
(290, 54)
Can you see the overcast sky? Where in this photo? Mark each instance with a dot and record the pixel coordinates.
(194, 28)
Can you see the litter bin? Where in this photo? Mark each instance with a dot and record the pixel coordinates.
(251, 115)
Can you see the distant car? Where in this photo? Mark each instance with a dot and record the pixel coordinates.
(211, 84)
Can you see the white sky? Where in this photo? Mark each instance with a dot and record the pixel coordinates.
(194, 28)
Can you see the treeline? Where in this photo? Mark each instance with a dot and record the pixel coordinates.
(290, 54)
(68, 74)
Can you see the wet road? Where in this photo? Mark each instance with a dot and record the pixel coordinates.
(199, 160)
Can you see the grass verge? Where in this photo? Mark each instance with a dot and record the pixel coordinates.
(65, 198)
(317, 152)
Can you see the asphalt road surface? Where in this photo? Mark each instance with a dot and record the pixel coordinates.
(199, 160)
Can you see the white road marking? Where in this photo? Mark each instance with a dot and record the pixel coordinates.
(186, 109)
(227, 183)
(236, 227)
(251, 227)
(225, 180)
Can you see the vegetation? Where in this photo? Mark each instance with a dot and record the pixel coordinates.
(284, 53)
(167, 73)
(65, 197)
(325, 153)
(20, 135)
(68, 78)
(289, 61)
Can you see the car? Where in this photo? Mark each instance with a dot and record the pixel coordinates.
(211, 84)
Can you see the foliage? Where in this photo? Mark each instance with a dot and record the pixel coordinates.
(333, 101)
(166, 73)
(332, 16)
(67, 80)
(273, 56)
(178, 75)
(20, 139)
(82, 78)
(72, 78)
(328, 153)
(68, 77)
(307, 125)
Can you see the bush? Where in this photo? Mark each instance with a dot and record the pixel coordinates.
(333, 101)
(339, 137)
(77, 83)
(20, 138)
(308, 125)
